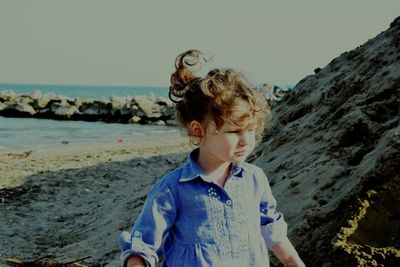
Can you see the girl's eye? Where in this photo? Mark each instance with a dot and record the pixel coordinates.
(232, 131)
(241, 130)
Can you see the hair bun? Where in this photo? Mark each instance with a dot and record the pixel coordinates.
(186, 64)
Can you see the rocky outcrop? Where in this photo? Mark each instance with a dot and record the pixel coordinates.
(127, 109)
(147, 109)
(332, 153)
(273, 93)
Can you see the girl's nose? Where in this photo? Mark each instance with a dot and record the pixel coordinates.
(246, 138)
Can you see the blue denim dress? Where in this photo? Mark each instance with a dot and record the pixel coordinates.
(195, 222)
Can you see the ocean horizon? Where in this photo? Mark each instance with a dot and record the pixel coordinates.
(96, 91)
(86, 91)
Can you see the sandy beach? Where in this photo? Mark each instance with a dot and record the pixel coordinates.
(16, 165)
(71, 202)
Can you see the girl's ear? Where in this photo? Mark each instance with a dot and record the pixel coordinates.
(196, 130)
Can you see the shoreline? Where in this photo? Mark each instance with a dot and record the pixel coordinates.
(16, 164)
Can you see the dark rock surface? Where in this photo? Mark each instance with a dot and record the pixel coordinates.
(332, 152)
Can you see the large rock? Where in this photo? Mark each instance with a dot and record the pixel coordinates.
(123, 106)
(7, 95)
(332, 154)
(146, 105)
(51, 95)
(96, 108)
(119, 101)
(40, 102)
(163, 101)
(64, 110)
(168, 111)
(267, 91)
(35, 94)
(22, 108)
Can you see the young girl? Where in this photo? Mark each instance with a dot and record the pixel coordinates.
(215, 210)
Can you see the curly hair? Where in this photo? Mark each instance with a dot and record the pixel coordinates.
(215, 96)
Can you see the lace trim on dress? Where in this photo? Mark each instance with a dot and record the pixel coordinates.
(240, 214)
(220, 230)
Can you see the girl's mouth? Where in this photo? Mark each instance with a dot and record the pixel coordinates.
(241, 153)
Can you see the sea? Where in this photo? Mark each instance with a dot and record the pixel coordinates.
(86, 91)
(30, 133)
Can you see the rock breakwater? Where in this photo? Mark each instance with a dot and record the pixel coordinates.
(147, 109)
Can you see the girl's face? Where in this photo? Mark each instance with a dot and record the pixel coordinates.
(231, 143)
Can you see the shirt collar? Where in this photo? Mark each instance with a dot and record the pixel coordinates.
(191, 170)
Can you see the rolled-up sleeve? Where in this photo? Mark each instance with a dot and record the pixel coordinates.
(273, 225)
(154, 221)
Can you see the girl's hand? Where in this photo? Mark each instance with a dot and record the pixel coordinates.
(135, 261)
(287, 254)
(293, 264)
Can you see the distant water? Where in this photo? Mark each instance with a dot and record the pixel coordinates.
(25, 133)
(86, 91)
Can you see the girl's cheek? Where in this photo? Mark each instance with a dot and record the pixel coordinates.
(233, 138)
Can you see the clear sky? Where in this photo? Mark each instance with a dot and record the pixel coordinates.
(129, 42)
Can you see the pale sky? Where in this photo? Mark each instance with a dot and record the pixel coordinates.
(97, 42)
